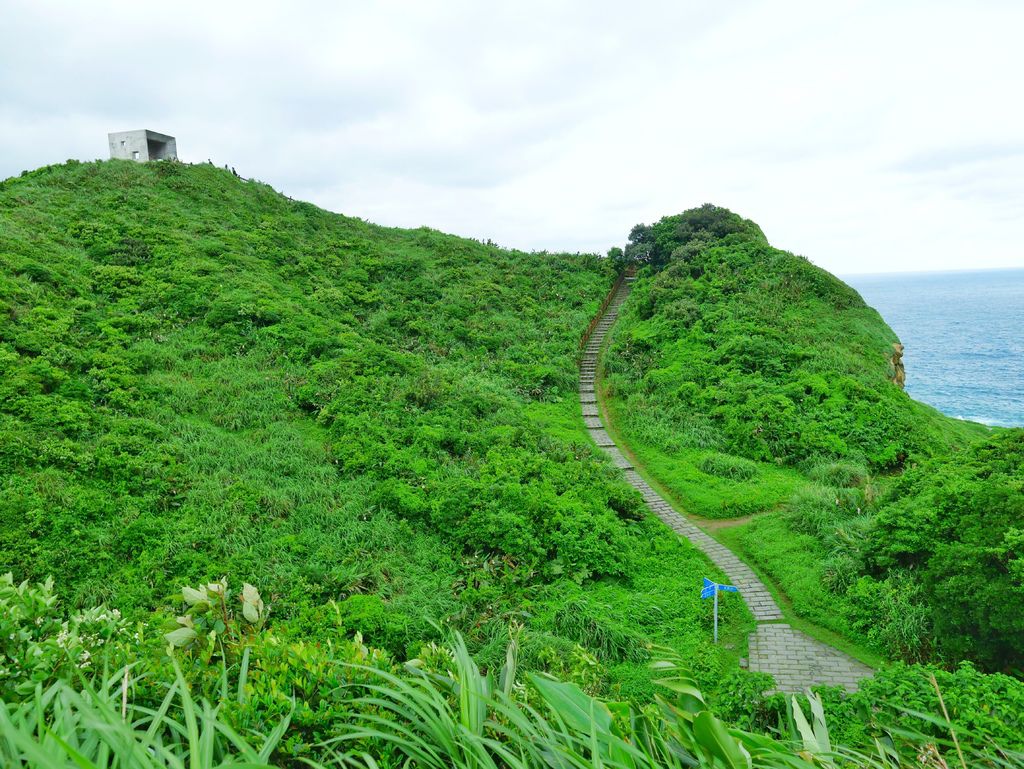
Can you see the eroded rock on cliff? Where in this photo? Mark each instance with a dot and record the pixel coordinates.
(899, 374)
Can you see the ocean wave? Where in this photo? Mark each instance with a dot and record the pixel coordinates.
(987, 421)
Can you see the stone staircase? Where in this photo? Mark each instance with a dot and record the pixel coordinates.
(794, 659)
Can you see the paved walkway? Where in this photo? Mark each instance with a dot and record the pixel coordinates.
(794, 659)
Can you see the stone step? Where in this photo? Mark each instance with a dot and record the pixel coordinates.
(618, 458)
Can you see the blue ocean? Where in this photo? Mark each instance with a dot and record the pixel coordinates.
(964, 338)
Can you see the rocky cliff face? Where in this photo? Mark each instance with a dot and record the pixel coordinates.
(899, 374)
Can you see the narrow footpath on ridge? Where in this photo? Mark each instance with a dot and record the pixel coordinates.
(793, 658)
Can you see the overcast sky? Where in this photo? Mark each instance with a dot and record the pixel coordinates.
(868, 136)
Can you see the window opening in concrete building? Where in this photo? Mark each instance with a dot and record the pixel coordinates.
(135, 154)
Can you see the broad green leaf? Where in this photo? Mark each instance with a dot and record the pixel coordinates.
(807, 734)
(250, 612)
(183, 636)
(690, 697)
(577, 709)
(193, 596)
(820, 725)
(712, 735)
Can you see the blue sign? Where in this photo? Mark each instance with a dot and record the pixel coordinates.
(711, 590)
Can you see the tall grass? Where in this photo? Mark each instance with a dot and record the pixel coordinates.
(62, 726)
(466, 718)
(459, 717)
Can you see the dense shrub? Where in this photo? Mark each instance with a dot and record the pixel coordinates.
(40, 644)
(955, 527)
(215, 375)
(892, 615)
(784, 361)
(785, 370)
(985, 709)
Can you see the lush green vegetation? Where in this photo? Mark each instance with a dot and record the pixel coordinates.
(953, 537)
(750, 382)
(377, 432)
(91, 693)
(377, 428)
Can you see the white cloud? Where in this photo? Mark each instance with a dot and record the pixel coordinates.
(869, 136)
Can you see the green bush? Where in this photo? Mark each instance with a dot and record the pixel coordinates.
(583, 623)
(984, 709)
(955, 527)
(840, 474)
(40, 644)
(740, 698)
(892, 614)
(374, 621)
(725, 466)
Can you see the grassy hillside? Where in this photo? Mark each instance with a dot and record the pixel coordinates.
(373, 436)
(376, 427)
(752, 383)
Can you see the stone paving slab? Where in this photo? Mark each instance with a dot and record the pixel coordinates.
(794, 659)
(797, 661)
(618, 458)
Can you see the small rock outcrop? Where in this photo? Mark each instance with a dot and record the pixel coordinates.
(899, 374)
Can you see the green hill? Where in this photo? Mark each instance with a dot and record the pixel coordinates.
(379, 431)
(201, 377)
(752, 383)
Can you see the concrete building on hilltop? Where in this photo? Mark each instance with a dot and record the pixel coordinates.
(142, 145)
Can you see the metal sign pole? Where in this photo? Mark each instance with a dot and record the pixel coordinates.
(716, 613)
(711, 589)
